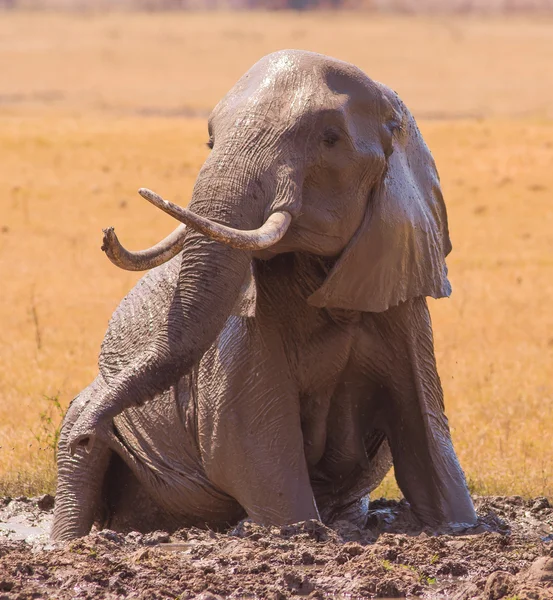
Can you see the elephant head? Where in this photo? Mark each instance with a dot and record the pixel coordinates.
(307, 155)
(323, 160)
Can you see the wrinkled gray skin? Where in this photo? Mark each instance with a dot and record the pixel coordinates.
(279, 384)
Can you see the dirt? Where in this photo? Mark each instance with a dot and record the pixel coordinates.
(509, 554)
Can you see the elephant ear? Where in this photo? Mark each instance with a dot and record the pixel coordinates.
(399, 250)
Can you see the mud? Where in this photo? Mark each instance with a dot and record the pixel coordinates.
(509, 554)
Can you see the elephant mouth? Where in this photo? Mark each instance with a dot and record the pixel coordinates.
(271, 232)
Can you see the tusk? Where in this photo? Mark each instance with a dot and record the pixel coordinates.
(267, 235)
(143, 259)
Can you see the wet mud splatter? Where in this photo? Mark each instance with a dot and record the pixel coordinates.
(508, 555)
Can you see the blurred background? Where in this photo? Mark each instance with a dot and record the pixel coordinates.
(98, 98)
(411, 6)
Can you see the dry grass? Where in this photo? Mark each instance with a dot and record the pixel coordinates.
(76, 141)
(184, 62)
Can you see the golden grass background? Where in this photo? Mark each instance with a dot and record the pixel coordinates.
(94, 106)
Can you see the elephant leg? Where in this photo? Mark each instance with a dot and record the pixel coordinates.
(426, 466)
(80, 477)
(131, 507)
(357, 455)
(249, 426)
(156, 479)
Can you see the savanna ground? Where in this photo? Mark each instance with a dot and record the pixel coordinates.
(94, 106)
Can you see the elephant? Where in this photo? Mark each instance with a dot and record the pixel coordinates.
(277, 358)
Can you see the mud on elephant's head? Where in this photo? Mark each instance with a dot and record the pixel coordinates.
(320, 159)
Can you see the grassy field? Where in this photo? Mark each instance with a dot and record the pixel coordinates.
(93, 108)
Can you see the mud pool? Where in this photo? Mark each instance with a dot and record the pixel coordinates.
(509, 554)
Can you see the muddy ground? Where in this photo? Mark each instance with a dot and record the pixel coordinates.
(508, 555)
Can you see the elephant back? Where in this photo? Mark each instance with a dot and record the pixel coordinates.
(139, 318)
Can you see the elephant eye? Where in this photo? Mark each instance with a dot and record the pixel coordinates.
(210, 143)
(330, 138)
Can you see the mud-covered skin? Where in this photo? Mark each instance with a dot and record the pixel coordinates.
(343, 362)
(510, 557)
(276, 382)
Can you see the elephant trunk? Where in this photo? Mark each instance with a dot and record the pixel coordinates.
(210, 279)
(209, 282)
(208, 286)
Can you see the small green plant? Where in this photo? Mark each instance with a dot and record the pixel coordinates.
(387, 565)
(50, 424)
(424, 579)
